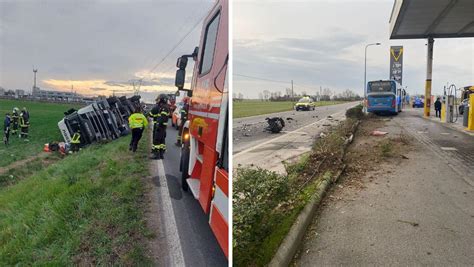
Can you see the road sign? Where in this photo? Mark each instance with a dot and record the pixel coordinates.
(396, 63)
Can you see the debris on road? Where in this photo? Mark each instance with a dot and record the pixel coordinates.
(378, 133)
(275, 124)
(414, 224)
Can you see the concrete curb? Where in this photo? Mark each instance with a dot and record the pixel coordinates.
(292, 241)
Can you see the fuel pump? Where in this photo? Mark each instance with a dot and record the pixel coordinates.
(449, 104)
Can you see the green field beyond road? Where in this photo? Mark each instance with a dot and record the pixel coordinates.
(44, 118)
(249, 108)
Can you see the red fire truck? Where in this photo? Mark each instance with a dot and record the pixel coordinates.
(205, 150)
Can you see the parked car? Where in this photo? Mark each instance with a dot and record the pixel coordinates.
(418, 103)
(176, 115)
(305, 103)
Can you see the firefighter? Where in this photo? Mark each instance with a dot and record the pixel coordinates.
(160, 115)
(137, 122)
(184, 117)
(76, 141)
(6, 129)
(24, 124)
(15, 118)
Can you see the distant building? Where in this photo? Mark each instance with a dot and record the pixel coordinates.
(55, 95)
(2, 91)
(19, 93)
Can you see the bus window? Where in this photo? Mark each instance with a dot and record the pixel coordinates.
(380, 86)
(209, 45)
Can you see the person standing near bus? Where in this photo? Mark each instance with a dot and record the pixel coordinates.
(437, 105)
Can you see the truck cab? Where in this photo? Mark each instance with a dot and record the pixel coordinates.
(205, 149)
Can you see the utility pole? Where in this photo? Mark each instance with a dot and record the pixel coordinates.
(292, 93)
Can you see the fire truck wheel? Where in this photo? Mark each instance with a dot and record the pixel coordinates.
(184, 166)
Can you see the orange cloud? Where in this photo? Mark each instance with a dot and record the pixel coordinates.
(89, 87)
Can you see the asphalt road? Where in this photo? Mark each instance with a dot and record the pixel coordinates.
(249, 131)
(197, 242)
(417, 212)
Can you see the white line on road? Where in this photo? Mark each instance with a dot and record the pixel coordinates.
(279, 137)
(171, 231)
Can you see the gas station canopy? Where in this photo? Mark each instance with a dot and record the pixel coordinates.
(415, 19)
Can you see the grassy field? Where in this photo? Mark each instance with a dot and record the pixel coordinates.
(249, 108)
(44, 118)
(86, 209)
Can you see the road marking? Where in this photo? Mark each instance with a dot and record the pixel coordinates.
(446, 148)
(280, 137)
(171, 231)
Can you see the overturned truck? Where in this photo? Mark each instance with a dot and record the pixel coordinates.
(100, 121)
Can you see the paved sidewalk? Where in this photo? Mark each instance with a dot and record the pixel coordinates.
(420, 212)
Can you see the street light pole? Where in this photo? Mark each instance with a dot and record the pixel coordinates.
(365, 75)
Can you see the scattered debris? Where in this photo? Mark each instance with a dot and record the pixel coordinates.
(405, 157)
(378, 133)
(275, 124)
(289, 119)
(414, 224)
(326, 124)
(322, 135)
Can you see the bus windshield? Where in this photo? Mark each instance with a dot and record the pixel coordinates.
(380, 86)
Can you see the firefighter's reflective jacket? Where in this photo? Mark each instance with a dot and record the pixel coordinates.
(76, 138)
(137, 120)
(24, 121)
(160, 114)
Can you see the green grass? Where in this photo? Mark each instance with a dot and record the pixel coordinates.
(249, 108)
(86, 209)
(44, 118)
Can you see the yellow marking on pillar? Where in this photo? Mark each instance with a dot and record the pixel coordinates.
(470, 119)
(427, 98)
(443, 112)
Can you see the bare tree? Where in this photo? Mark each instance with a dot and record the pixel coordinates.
(266, 95)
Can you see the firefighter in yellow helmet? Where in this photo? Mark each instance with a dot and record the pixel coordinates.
(160, 115)
(137, 122)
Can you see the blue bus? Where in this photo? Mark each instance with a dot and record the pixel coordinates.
(384, 97)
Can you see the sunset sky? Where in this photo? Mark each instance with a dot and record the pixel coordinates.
(96, 46)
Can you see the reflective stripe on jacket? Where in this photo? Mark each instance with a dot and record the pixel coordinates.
(76, 138)
(137, 120)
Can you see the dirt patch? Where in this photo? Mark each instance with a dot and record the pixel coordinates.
(20, 163)
(368, 155)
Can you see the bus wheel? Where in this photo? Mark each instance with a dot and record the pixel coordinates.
(184, 166)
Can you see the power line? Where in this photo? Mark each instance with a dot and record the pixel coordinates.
(261, 79)
(178, 43)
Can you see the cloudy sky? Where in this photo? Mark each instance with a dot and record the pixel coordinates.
(321, 43)
(98, 45)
